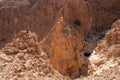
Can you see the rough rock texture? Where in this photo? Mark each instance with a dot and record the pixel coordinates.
(104, 13)
(63, 46)
(23, 40)
(78, 13)
(34, 15)
(113, 39)
(105, 59)
(39, 15)
(113, 36)
(22, 59)
(65, 41)
(32, 63)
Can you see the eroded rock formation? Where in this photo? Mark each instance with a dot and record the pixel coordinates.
(39, 16)
(105, 59)
(63, 40)
(113, 39)
(34, 15)
(112, 35)
(25, 41)
(64, 46)
(21, 59)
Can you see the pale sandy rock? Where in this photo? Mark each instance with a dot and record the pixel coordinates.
(5, 57)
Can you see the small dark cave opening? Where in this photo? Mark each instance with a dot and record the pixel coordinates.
(87, 54)
(77, 22)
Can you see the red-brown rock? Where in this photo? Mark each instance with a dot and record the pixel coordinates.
(34, 15)
(63, 46)
(113, 35)
(39, 15)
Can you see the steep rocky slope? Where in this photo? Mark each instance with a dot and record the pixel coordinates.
(35, 15)
(73, 39)
(105, 12)
(40, 15)
(105, 59)
(23, 58)
(67, 43)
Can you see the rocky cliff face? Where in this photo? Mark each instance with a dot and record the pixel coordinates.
(65, 41)
(104, 13)
(105, 59)
(68, 31)
(64, 47)
(39, 16)
(33, 15)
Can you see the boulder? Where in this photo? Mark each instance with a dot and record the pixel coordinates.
(64, 46)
